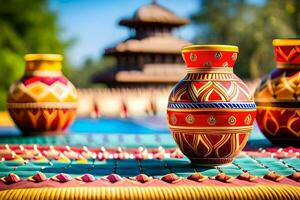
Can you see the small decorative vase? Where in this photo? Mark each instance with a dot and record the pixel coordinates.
(210, 111)
(43, 101)
(278, 96)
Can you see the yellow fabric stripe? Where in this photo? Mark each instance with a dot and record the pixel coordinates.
(176, 192)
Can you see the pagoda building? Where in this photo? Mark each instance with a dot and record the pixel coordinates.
(152, 55)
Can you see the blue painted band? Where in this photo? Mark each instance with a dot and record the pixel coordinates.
(195, 105)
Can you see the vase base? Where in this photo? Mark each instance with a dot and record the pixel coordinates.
(210, 161)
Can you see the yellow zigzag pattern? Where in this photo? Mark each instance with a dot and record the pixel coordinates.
(204, 92)
(41, 92)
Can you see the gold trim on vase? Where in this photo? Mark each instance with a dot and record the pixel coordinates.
(211, 132)
(45, 57)
(46, 105)
(209, 128)
(210, 47)
(210, 77)
(286, 42)
(209, 69)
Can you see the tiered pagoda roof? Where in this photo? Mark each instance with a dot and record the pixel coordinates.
(152, 54)
(154, 13)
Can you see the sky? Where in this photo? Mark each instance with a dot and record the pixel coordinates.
(94, 23)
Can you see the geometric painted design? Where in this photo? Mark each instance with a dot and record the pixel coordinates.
(214, 146)
(43, 120)
(208, 77)
(35, 89)
(210, 91)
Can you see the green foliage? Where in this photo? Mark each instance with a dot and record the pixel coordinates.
(251, 27)
(26, 26)
(81, 76)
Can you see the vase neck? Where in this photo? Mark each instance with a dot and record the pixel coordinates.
(210, 58)
(287, 53)
(43, 64)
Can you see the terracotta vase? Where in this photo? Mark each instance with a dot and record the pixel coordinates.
(210, 111)
(278, 96)
(43, 101)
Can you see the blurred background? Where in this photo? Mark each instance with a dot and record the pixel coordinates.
(124, 56)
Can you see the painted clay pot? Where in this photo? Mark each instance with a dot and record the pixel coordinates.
(43, 101)
(210, 111)
(278, 96)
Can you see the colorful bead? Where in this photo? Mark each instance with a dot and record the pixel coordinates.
(246, 176)
(62, 178)
(273, 176)
(295, 176)
(38, 177)
(142, 178)
(86, 178)
(11, 178)
(113, 178)
(224, 178)
(198, 177)
(171, 178)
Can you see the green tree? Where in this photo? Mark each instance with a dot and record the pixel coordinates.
(81, 77)
(251, 27)
(26, 26)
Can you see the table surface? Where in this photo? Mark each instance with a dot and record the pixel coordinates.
(140, 149)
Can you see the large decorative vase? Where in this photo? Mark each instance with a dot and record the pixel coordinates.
(278, 96)
(210, 111)
(43, 101)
